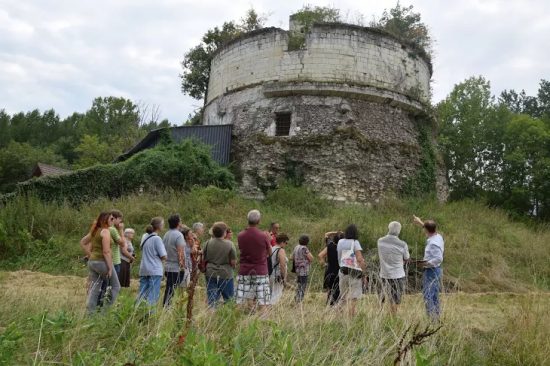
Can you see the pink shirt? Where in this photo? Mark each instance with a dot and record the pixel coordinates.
(254, 247)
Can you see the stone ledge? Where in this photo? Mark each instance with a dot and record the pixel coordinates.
(355, 91)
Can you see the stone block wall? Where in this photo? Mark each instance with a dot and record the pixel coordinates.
(354, 95)
(334, 53)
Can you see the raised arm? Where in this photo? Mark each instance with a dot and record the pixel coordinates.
(418, 221)
(330, 233)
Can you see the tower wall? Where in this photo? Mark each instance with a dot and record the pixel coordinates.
(355, 99)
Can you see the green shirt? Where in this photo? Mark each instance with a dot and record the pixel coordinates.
(115, 249)
(97, 247)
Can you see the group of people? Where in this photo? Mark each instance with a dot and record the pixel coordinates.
(263, 264)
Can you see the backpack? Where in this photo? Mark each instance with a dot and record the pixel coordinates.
(270, 266)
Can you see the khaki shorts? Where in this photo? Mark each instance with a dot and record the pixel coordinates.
(351, 288)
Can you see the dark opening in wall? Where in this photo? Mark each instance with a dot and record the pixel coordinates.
(282, 124)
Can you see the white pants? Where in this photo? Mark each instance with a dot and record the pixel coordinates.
(276, 290)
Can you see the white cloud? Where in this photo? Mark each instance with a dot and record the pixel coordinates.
(61, 55)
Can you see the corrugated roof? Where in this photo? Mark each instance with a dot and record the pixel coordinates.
(43, 170)
(218, 137)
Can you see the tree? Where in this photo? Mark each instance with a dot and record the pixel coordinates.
(196, 62)
(527, 166)
(464, 117)
(405, 24)
(309, 15)
(493, 153)
(114, 120)
(5, 136)
(92, 150)
(17, 161)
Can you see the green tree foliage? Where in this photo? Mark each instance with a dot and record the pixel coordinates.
(92, 151)
(18, 159)
(111, 126)
(306, 17)
(404, 23)
(538, 107)
(309, 15)
(175, 166)
(196, 62)
(493, 150)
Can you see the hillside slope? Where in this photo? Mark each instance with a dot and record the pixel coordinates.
(485, 251)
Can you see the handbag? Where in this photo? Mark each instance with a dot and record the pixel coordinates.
(203, 263)
(348, 263)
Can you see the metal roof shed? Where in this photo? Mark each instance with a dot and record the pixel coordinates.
(218, 137)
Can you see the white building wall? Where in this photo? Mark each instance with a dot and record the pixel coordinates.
(334, 53)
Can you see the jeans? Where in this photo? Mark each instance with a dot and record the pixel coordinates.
(173, 279)
(149, 289)
(301, 289)
(216, 287)
(97, 277)
(431, 283)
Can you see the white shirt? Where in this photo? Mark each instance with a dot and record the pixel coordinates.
(392, 252)
(347, 244)
(433, 254)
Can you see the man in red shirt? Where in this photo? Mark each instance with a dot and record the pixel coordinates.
(273, 232)
(253, 279)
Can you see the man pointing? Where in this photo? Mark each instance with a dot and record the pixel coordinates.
(433, 257)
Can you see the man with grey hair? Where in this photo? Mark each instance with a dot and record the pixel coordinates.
(393, 253)
(253, 279)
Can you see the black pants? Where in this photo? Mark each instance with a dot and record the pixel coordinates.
(173, 279)
(301, 288)
(332, 286)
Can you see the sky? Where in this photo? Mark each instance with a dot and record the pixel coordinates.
(63, 54)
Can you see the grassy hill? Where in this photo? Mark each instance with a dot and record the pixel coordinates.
(485, 250)
(498, 316)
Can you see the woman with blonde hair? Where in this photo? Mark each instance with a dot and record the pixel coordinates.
(97, 247)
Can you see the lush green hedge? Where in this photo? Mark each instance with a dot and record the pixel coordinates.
(177, 166)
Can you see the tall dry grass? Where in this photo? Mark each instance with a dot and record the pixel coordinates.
(478, 329)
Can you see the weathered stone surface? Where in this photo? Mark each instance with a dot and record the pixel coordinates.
(353, 95)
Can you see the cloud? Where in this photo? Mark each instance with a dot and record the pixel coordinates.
(61, 55)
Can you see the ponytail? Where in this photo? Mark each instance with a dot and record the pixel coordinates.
(156, 224)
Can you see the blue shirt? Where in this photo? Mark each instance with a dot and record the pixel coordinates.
(151, 251)
(433, 254)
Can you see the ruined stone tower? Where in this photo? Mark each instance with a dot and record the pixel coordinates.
(339, 108)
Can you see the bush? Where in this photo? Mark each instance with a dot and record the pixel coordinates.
(179, 167)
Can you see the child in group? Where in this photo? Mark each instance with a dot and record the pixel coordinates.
(302, 259)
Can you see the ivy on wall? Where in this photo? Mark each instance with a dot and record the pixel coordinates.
(424, 181)
(177, 166)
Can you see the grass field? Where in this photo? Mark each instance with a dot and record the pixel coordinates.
(42, 322)
(496, 309)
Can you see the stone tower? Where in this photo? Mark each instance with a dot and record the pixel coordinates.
(339, 108)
